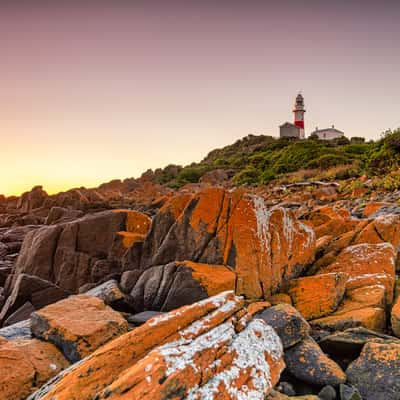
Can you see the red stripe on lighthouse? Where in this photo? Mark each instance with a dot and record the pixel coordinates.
(300, 124)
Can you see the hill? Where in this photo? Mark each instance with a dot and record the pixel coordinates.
(259, 159)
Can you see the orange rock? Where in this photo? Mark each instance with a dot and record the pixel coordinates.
(366, 265)
(385, 228)
(137, 226)
(17, 373)
(78, 325)
(280, 298)
(366, 296)
(106, 364)
(395, 318)
(129, 239)
(46, 359)
(213, 278)
(319, 295)
(218, 364)
(372, 207)
(373, 318)
(327, 220)
(264, 246)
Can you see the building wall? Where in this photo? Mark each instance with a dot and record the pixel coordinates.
(289, 131)
(328, 134)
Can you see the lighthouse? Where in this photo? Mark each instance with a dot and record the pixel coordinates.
(299, 114)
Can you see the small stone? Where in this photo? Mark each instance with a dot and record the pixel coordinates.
(349, 393)
(327, 393)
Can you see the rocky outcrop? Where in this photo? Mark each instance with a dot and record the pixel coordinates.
(209, 349)
(264, 246)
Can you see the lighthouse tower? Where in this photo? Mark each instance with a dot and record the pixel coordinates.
(299, 114)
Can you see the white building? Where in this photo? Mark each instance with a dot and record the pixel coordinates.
(328, 133)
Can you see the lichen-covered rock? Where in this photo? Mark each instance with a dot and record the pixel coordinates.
(376, 373)
(287, 322)
(16, 372)
(395, 318)
(366, 265)
(373, 318)
(170, 286)
(25, 364)
(78, 325)
(265, 246)
(307, 362)
(210, 349)
(317, 296)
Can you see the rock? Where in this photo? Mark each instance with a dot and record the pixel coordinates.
(373, 318)
(279, 298)
(166, 287)
(16, 372)
(395, 318)
(46, 359)
(327, 393)
(32, 200)
(287, 322)
(317, 296)
(66, 253)
(23, 313)
(234, 229)
(307, 362)
(371, 209)
(367, 296)
(78, 325)
(386, 210)
(206, 348)
(350, 342)
(143, 317)
(36, 291)
(20, 330)
(25, 364)
(376, 373)
(129, 279)
(60, 214)
(109, 292)
(4, 273)
(274, 395)
(327, 220)
(349, 393)
(287, 388)
(366, 265)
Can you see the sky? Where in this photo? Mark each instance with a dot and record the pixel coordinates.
(106, 90)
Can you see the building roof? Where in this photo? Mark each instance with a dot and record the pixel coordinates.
(328, 129)
(288, 124)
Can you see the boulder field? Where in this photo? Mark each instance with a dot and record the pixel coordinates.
(203, 294)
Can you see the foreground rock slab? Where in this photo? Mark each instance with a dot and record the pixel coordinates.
(212, 349)
(78, 325)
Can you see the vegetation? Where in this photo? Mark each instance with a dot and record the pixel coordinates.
(260, 159)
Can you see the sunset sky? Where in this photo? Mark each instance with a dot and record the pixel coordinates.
(96, 92)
